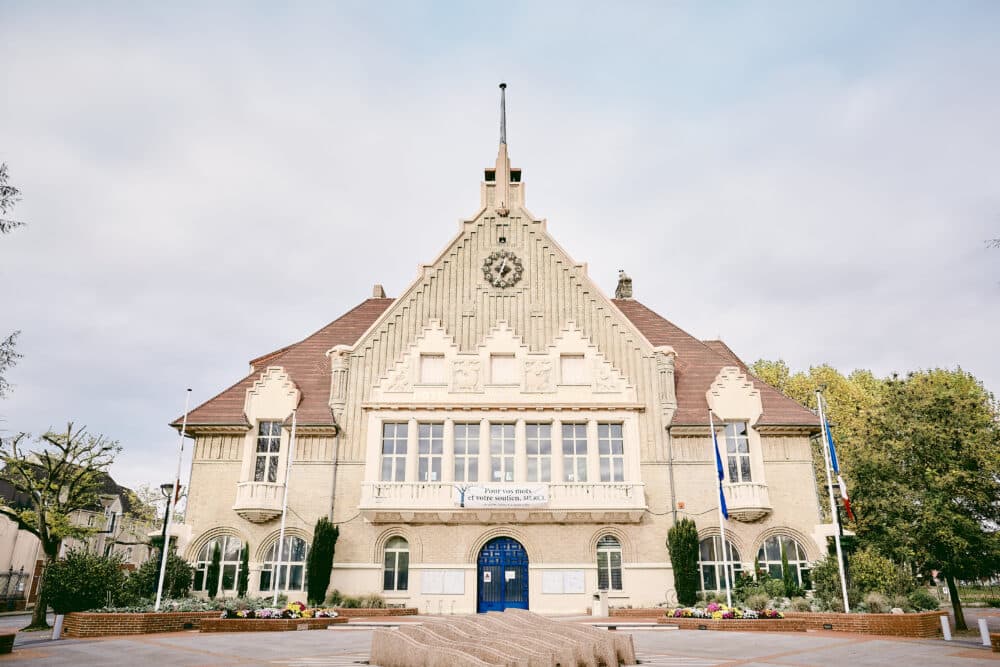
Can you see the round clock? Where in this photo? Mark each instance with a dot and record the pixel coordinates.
(502, 268)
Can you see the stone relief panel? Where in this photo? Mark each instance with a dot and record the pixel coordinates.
(467, 375)
(538, 376)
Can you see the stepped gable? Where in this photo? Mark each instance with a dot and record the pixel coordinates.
(698, 364)
(305, 362)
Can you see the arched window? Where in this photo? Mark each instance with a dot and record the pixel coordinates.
(710, 563)
(229, 546)
(292, 573)
(396, 575)
(769, 558)
(609, 564)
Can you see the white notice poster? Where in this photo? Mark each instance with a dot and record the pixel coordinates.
(454, 582)
(552, 582)
(573, 581)
(432, 582)
(487, 577)
(509, 575)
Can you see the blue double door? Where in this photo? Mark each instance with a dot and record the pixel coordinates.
(502, 576)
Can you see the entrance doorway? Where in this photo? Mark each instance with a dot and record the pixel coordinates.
(502, 575)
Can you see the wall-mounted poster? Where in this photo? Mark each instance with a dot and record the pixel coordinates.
(487, 577)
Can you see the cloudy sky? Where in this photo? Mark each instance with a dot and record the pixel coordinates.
(810, 181)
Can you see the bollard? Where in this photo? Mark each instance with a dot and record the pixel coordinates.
(984, 632)
(57, 627)
(946, 627)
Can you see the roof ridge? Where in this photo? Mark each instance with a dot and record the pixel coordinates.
(683, 331)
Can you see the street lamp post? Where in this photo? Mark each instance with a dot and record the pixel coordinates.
(166, 489)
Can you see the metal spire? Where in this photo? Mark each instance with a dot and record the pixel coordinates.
(503, 113)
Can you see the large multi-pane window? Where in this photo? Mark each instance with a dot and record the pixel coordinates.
(229, 550)
(466, 452)
(430, 447)
(396, 573)
(609, 564)
(574, 446)
(710, 563)
(394, 436)
(738, 452)
(769, 558)
(539, 449)
(502, 452)
(292, 569)
(611, 449)
(268, 447)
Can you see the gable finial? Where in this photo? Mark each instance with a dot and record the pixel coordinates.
(503, 113)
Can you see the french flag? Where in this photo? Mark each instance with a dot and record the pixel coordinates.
(836, 471)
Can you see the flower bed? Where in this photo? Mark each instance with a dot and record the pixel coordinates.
(736, 624)
(268, 624)
(921, 624)
(359, 612)
(97, 624)
(718, 612)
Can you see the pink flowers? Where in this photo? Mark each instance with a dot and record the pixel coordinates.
(718, 612)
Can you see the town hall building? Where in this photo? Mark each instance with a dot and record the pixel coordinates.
(501, 434)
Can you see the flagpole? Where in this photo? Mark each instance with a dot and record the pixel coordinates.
(722, 519)
(172, 506)
(833, 507)
(284, 512)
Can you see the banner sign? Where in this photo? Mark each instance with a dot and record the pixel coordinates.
(503, 495)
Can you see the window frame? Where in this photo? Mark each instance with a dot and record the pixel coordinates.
(503, 449)
(430, 451)
(609, 546)
(198, 581)
(395, 549)
(270, 563)
(396, 458)
(538, 451)
(611, 463)
(466, 462)
(574, 460)
(735, 563)
(270, 455)
(797, 561)
(738, 460)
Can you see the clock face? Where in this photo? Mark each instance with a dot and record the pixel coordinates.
(502, 268)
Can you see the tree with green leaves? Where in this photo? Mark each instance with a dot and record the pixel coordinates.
(9, 196)
(787, 575)
(243, 581)
(682, 543)
(62, 475)
(214, 570)
(142, 583)
(928, 486)
(320, 560)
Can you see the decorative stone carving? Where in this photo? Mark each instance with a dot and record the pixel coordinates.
(604, 377)
(399, 379)
(466, 375)
(538, 376)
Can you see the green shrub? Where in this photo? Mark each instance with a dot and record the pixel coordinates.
(372, 601)
(826, 580)
(682, 543)
(212, 575)
(775, 588)
(243, 580)
(334, 599)
(992, 602)
(877, 603)
(800, 604)
(320, 559)
(871, 571)
(350, 602)
(744, 582)
(787, 574)
(836, 605)
(83, 580)
(902, 602)
(923, 600)
(757, 601)
(142, 583)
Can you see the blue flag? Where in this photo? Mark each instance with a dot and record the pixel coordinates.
(721, 471)
(833, 450)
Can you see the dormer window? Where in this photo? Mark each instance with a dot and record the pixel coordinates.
(268, 445)
(490, 176)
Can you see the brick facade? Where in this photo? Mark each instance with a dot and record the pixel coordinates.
(366, 613)
(924, 624)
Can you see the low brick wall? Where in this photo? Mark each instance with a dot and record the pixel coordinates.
(7, 638)
(267, 624)
(995, 641)
(924, 624)
(737, 624)
(93, 624)
(646, 612)
(362, 613)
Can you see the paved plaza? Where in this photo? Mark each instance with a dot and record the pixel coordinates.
(349, 646)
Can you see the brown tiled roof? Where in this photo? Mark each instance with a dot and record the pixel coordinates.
(305, 362)
(698, 363)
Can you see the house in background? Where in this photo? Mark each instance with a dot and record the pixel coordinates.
(503, 434)
(115, 531)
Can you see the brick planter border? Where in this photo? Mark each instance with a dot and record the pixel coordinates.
(7, 638)
(363, 613)
(267, 624)
(995, 641)
(638, 612)
(737, 624)
(923, 624)
(94, 624)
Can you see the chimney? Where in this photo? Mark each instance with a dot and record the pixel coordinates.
(624, 289)
(378, 292)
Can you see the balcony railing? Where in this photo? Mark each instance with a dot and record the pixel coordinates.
(552, 502)
(258, 501)
(748, 501)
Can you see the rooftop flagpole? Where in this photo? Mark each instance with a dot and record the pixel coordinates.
(284, 512)
(835, 515)
(503, 113)
(172, 506)
(722, 510)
